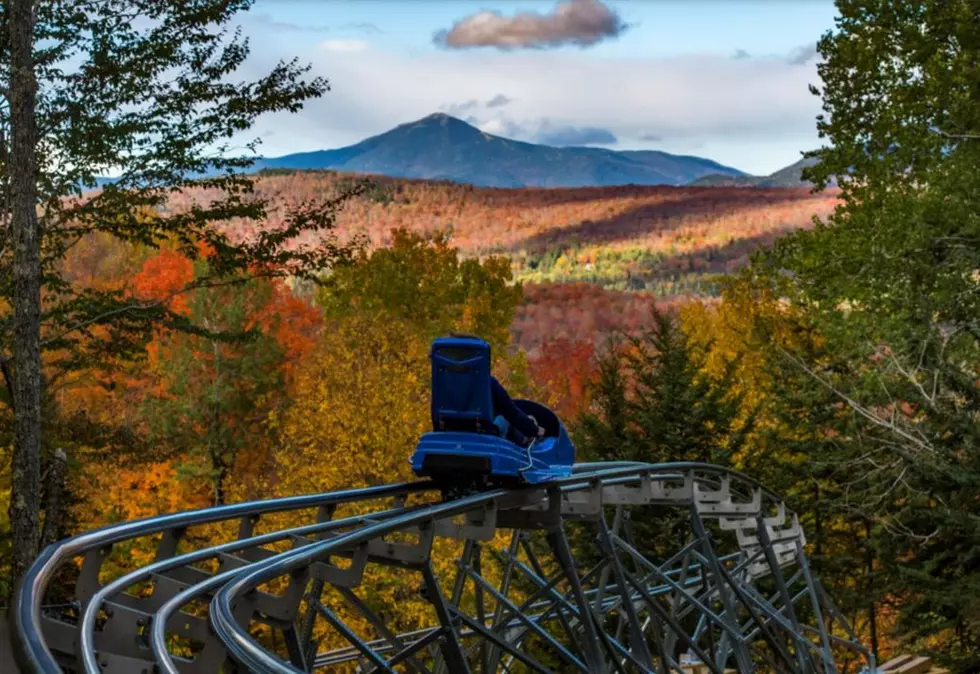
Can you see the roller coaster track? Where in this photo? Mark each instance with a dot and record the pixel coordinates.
(680, 567)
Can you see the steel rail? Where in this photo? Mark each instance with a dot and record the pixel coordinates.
(232, 585)
(31, 650)
(349, 653)
(249, 653)
(90, 614)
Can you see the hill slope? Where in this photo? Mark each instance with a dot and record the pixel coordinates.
(575, 250)
(441, 147)
(789, 176)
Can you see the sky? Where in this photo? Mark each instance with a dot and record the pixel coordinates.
(723, 79)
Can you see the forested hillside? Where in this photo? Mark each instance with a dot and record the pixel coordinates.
(789, 176)
(670, 242)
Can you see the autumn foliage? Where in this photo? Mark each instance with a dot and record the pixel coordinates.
(276, 387)
(485, 220)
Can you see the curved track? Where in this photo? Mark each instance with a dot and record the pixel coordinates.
(622, 567)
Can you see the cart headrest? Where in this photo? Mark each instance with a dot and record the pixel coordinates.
(461, 384)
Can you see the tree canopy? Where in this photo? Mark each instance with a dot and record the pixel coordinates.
(150, 93)
(891, 283)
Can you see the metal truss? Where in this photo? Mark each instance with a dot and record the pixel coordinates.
(622, 567)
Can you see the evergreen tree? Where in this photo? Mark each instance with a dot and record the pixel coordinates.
(891, 283)
(652, 402)
(217, 389)
(150, 92)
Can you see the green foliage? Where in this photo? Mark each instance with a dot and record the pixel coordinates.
(632, 268)
(891, 283)
(154, 102)
(361, 400)
(899, 93)
(424, 283)
(153, 93)
(218, 386)
(653, 402)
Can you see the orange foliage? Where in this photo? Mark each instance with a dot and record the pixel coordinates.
(560, 326)
(141, 489)
(582, 312)
(486, 220)
(163, 275)
(698, 230)
(294, 322)
(128, 494)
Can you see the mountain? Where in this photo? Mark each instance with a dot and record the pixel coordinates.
(441, 147)
(789, 176)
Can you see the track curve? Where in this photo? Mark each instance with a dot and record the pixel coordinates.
(737, 591)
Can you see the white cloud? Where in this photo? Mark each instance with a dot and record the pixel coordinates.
(709, 101)
(803, 54)
(501, 127)
(579, 22)
(498, 101)
(344, 45)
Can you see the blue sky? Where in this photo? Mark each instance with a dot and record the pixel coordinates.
(724, 79)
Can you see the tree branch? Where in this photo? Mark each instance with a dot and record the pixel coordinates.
(81, 325)
(961, 136)
(921, 444)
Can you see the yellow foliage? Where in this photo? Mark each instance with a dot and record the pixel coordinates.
(361, 399)
(360, 404)
(109, 494)
(742, 330)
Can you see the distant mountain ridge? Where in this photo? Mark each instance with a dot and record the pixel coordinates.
(789, 176)
(442, 147)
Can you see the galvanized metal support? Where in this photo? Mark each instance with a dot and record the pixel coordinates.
(517, 602)
(450, 648)
(563, 554)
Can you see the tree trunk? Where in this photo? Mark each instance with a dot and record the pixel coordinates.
(872, 609)
(22, 169)
(219, 468)
(54, 512)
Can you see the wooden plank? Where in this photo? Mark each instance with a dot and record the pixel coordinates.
(920, 665)
(895, 663)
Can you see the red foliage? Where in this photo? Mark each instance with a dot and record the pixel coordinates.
(294, 322)
(162, 276)
(563, 327)
(563, 368)
(698, 230)
(508, 220)
(582, 312)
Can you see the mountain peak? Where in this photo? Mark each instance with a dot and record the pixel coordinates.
(440, 146)
(437, 127)
(442, 119)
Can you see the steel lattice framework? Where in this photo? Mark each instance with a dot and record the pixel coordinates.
(280, 585)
